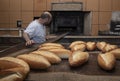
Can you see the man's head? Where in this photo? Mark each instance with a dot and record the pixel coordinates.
(46, 17)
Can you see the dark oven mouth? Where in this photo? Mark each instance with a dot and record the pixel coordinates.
(65, 24)
(67, 21)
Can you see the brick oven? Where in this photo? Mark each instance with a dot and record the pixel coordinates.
(70, 17)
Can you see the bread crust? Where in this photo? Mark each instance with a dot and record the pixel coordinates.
(91, 46)
(11, 64)
(106, 47)
(35, 61)
(80, 47)
(116, 53)
(62, 53)
(78, 58)
(106, 61)
(51, 44)
(49, 47)
(76, 43)
(12, 77)
(51, 57)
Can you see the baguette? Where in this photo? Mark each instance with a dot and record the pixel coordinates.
(106, 61)
(80, 47)
(11, 77)
(78, 58)
(101, 45)
(49, 47)
(51, 57)
(90, 46)
(76, 43)
(51, 44)
(116, 53)
(62, 53)
(106, 47)
(35, 61)
(11, 64)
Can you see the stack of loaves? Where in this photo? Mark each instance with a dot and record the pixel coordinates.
(106, 60)
(52, 53)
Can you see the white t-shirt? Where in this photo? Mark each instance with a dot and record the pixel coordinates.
(36, 31)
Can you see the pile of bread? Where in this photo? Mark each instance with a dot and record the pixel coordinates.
(106, 59)
(16, 68)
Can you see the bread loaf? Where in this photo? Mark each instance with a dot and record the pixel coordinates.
(80, 47)
(62, 53)
(51, 57)
(106, 61)
(11, 64)
(91, 45)
(76, 43)
(51, 44)
(35, 61)
(11, 77)
(106, 47)
(77, 58)
(116, 53)
(109, 47)
(101, 45)
(49, 47)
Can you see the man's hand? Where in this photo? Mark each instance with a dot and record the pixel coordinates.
(30, 42)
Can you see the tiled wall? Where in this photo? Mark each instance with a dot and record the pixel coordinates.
(25, 10)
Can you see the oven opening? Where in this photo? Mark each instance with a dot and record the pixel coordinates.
(67, 21)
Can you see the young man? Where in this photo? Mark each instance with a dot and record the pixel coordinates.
(36, 31)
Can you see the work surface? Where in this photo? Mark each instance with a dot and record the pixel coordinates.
(90, 71)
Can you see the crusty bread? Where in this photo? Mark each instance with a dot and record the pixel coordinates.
(11, 77)
(51, 57)
(116, 53)
(106, 61)
(80, 47)
(76, 43)
(91, 45)
(11, 64)
(101, 45)
(51, 44)
(77, 58)
(106, 47)
(62, 53)
(35, 61)
(49, 47)
(109, 47)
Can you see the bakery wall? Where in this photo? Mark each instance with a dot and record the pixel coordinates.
(25, 10)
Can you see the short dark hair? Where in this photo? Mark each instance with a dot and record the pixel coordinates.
(45, 15)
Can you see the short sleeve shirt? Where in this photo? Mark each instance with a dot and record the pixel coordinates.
(36, 31)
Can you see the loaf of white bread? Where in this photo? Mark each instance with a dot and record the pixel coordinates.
(116, 53)
(15, 69)
(106, 47)
(51, 44)
(78, 58)
(51, 57)
(35, 61)
(106, 61)
(62, 53)
(91, 46)
(56, 48)
(77, 45)
(49, 47)
(11, 77)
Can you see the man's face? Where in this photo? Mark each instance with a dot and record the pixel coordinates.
(47, 21)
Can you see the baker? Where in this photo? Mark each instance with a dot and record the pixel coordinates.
(35, 32)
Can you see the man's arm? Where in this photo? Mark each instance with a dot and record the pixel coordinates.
(27, 39)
